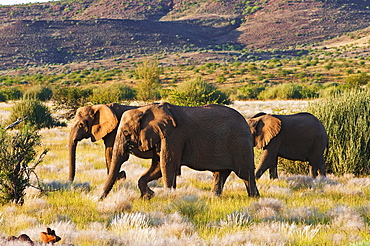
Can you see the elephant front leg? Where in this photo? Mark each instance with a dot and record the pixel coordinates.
(219, 179)
(268, 160)
(170, 157)
(108, 161)
(113, 172)
(153, 173)
(273, 172)
(315, 165)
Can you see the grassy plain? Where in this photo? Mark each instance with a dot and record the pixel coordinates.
(294, 210)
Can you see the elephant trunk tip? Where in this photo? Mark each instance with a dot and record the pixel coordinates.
(104, 195)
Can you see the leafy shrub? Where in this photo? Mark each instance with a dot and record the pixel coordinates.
(148, 87)
(283, 91)
(71, 97)
(288, 91)
(11, 93)
(38, 115)
(2, 97)
(357, 80)
(17, 151)
(112, 93)
(196, 92)
(346, 117)
(38, 92)
(248, 92)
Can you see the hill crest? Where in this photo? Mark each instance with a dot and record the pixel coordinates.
(75, 30)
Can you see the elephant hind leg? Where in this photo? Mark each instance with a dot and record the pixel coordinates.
(219, 179)
(153, 173)
(252, 188)
(317, 166)
(247, 175)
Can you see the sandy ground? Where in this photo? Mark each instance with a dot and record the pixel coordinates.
(5, 110)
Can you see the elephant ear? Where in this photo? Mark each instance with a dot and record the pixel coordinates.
(266, 127)
(104, 122)
(156, 123)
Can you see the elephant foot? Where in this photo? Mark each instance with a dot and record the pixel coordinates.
(254, 194)
(121, 175)
(216, 192)
(148, 195)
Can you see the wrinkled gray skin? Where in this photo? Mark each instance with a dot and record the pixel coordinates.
(214, 138)
(299, 137)
(98, 122)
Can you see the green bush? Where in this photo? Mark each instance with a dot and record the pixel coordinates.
(248, 92)
(288, 91)
(11, 93)
(17, 152)
(112, 93)
(39, 93)
(346, 117)
(38, 115)
(71, 97)
(2, 97)
(196, 92)
(357, 80)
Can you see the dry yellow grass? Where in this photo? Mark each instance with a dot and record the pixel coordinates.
(294, 210)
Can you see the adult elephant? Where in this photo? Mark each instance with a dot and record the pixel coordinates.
(213, 137)
(295, 137)
(98, 122)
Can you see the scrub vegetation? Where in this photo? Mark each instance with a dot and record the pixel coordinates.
(293, 210)
(278, 57)
(149, 79)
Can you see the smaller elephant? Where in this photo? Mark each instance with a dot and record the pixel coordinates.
(99, 122)
(299, 137)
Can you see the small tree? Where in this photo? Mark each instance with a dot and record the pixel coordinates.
(148, 73)
(38, 92)
(38, 114)
(357, 80)
(17, 152)
(11, 93)
(71, 97)
(113, 93)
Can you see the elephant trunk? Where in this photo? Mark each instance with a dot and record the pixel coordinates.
(120, 155)
(111, 179)
(72, 159)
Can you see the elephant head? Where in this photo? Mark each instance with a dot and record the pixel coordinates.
(141, 128)
(93, 122)
(144, 127)
(263, 127)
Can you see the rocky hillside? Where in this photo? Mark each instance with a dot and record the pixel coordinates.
(77, 30)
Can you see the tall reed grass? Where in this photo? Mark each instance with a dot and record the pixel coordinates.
(346, 117)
